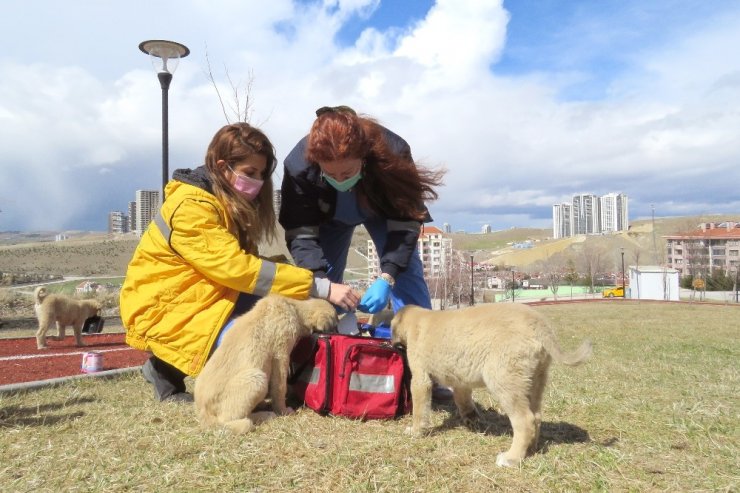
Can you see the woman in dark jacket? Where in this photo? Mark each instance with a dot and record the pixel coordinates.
(350, 170)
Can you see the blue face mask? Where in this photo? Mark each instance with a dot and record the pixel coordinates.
(345, 185)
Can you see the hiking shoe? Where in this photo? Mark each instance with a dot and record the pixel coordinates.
(148, 371)
(441, 394)
(166, 379)
(180, 397)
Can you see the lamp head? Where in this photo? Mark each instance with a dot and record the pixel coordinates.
(165, 55)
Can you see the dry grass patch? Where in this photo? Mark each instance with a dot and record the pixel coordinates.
(656, 409)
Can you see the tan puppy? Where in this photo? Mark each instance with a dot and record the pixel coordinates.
(506, 348)
(254, 355)
(64, 311)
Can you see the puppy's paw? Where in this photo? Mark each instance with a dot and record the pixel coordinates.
(470, 418)
(240, 426)
(502, 461)
(262, 416)
(42, 347)
(416, 432)
(288, 410)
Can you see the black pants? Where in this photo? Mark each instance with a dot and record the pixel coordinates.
(167, 379)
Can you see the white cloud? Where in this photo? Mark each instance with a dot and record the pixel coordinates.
(86, 126)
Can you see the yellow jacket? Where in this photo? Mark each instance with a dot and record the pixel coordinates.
(178, 295)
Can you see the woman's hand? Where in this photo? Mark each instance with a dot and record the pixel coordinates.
(343, 296)
(376, 297)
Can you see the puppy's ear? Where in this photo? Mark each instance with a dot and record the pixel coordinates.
(398, 328)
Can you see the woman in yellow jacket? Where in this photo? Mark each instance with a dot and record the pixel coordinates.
(196, 266)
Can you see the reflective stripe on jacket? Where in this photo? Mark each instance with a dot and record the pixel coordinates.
(181, 285)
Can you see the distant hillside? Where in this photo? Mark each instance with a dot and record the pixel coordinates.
(104, 256)
(640, 245)
(100, 254)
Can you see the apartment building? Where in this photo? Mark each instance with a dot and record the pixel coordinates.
(590, 214)
(585, 214)
(147, 204)
(710, 247)
(117, 222)
(435, 252)
(614, 212)
(562, 220)
(132, 216)
(277, 201)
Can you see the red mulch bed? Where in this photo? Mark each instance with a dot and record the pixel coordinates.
(20, 361)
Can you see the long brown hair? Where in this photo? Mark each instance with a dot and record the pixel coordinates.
(392, 184)
(255, 220)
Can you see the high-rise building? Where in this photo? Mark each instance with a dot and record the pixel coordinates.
(447, 228)
(614, 215)
(117, 222)
(276, 201)
(585, 215)
(147, 204)
(486, 229)
(132, 216)
(562, 220)
(590, 214)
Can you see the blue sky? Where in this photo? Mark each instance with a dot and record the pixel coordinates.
(524, 102)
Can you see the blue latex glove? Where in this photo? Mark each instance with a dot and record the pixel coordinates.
(376, 297)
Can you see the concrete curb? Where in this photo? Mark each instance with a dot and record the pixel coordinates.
(53, 382)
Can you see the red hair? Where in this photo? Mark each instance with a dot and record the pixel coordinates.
(392, 184)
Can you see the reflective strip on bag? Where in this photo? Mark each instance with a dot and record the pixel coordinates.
(376, 384)
(310, 375)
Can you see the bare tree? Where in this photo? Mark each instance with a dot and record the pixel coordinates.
(554, 272)
(239, 107)
(593, 261)
(453, 285)
(571, 274)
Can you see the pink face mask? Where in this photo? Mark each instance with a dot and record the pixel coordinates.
(249, 187)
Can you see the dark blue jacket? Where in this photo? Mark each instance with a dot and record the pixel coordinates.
(307, 201)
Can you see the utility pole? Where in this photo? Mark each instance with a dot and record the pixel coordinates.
(472, 289)
(655, 248)
(624, 293)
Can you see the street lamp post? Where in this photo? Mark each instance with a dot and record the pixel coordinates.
(165, 57)
(624, 294)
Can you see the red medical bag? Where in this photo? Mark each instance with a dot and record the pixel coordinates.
(352, 376)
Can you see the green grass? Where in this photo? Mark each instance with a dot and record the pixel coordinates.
(655, 409)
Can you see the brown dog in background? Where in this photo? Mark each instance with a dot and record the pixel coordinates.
(254, 356)
(504, 347)
(64, 311)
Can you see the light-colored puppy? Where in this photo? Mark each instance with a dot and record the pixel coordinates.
(253, 356)
(64, 311)
(506, 348)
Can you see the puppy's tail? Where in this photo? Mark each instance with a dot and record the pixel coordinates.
(39, 294)
(573, 358)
